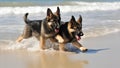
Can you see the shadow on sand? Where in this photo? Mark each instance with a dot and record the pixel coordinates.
(90, 51)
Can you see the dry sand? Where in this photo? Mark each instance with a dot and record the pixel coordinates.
(103, 53)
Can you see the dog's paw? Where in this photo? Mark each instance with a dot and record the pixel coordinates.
(83, 49)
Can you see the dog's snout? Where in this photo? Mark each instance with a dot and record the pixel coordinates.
(57, 25)
(81, 33)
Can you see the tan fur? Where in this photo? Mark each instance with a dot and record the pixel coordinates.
(69, 29)
(59, 38)
(42, 43)
(61, 47)
(83, 49)
(20, 38)
(78, 45)
(49, 23)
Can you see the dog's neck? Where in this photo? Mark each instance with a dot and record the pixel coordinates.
(45, 30)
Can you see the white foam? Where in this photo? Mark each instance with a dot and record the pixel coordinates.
(31, 44)
(79, 7)
(28, 44)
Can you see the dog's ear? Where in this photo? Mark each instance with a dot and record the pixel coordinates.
(80, 19)
(58, 14)
(49, 13)
(71, 24)
(58, 11)
(72, 21)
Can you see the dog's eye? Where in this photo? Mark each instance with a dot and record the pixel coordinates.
(79, 28)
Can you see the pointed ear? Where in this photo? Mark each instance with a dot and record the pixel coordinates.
(58, 11)
(80, 19)
(71, 24)
(49, 13)
(72, 19)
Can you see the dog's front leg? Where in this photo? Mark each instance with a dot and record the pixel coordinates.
(59, 38)
(61, 42)
(42, 43)
(61, 47)
(78, 45)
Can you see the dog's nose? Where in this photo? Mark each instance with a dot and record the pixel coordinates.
(81, 33)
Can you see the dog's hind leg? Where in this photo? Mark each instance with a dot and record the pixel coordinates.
(78, 45)
(20, 38)
(27, 33)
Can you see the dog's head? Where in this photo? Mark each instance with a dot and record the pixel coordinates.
(75, 27)
(53, 19)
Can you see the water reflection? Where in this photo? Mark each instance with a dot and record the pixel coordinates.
(55, 60)
(45, 59)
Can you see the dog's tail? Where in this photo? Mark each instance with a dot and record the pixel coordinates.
(25, 18)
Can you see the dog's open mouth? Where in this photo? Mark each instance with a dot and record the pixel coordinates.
(78, 37)
(56, 30)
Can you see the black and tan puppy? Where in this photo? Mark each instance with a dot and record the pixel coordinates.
(42, 29)
(70, 32)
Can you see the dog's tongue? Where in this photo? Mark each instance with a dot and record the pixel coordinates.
(56, 30)
(78, 37)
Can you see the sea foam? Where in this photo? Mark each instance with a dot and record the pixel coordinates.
(78, 7)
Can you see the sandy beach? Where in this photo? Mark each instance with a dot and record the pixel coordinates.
(102, 53)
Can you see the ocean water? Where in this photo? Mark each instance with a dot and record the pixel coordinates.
(100, 17)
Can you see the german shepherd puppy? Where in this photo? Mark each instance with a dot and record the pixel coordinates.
(42, 29)
(70, 32)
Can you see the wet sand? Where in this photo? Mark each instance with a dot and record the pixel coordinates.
(23, 59)
(103, 53)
